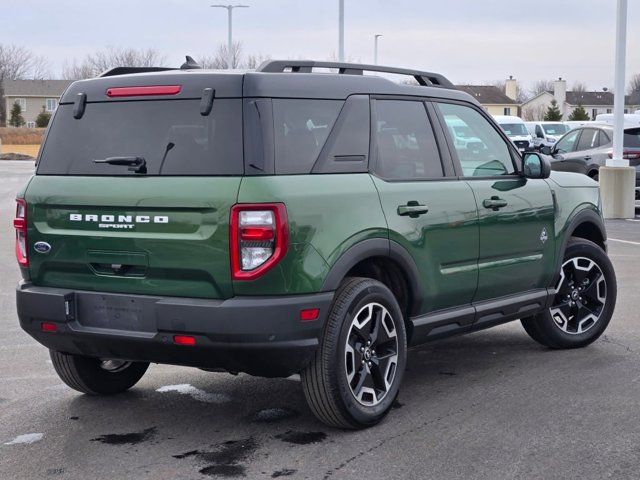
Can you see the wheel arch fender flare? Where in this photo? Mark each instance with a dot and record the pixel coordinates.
(377, 247)
(585, 216)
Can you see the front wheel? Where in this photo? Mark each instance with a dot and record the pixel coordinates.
(584, 302)
(356, 372)
(95, 376)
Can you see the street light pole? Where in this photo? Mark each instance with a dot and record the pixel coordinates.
(617, 178)
(375, 48)
(230, 31)
(341, 31)
(619, 87)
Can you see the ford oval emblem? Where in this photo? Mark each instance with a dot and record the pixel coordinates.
(42, 247)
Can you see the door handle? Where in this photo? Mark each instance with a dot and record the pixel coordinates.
(588, 157)
(494, 203)
(412, 209)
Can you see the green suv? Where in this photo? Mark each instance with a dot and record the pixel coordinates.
(286, 221)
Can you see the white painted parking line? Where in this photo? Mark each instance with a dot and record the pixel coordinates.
(624, 241)
(26, 438)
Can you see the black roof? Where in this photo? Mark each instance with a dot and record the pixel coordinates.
(286, 84)
(487, 94)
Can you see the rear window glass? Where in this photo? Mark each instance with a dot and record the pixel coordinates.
(301, 128)
(171, 135)
(632, 138)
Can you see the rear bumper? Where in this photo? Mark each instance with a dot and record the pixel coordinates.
(258, 335)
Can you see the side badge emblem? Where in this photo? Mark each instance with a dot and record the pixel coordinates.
(543, 235)
(42, 247)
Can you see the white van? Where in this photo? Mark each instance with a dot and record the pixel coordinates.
(545, 134)
(516, 130)
(630, 119)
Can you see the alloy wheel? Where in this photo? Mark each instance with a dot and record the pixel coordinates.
(581, 295)
(371, 354)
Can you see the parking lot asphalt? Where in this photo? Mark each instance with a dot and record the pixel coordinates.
(489, 405)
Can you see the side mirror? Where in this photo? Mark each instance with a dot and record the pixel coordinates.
(546, 149)
(535, 166)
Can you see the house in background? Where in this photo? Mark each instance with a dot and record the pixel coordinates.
(493, 99)
(594, 103)
(33, 96)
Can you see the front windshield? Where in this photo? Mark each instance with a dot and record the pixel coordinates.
(514, 129)
(556, 129)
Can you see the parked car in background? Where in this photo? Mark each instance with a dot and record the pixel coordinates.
(545, 134)
(573, 124)
(586, 149)
(516, 130)
(630, 119)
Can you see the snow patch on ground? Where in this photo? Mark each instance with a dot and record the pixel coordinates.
(195, 393)
(295, 377)
(26, 438)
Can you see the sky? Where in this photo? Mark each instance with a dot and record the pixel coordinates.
(468, 41)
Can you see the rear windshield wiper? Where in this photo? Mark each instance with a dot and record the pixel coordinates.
(136, 164)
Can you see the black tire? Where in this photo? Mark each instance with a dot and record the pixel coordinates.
(325, 382)
(549, 332)
(86, 375)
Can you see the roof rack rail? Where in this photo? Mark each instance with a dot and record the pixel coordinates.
(190, 64)
(426, 79)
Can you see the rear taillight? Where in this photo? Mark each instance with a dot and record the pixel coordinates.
(20, 224)
(628, 155)
(259, 236)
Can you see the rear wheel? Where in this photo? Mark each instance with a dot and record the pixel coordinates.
(356, 373)
(584, 301)
(95, 376)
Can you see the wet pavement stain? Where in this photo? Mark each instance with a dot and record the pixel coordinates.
(451, 374)
(132, 438)
(302, 438)
(397, 404)
(272, 415)
(285, 472)
(74, 418)
(225, 460)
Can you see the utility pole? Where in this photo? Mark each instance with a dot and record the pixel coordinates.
(230, 31)
(341, 31)
(617, 178)
(375, 48)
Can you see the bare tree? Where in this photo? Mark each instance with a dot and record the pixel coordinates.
(219, 60)
(634, 83)
(579, 87)
(95, 63)
(542, 86)
(253, 61)
(532, 114)
(17, 63)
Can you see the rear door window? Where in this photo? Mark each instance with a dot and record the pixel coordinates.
(407, 148)
(301, 128)
(171, 135)
(588, 140)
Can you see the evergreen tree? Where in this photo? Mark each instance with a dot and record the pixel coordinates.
(42, 120)
(16, 119)
(579, 113)
(553, 113)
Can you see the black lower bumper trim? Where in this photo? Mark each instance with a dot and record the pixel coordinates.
(258, 335)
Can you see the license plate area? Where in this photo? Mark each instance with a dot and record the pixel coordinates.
(116, 312)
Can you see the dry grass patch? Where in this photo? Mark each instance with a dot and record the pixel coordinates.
(21, 136)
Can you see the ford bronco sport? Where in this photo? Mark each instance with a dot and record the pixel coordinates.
(286, 221)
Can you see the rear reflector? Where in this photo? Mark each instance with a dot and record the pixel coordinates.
(143, 91)
(48, 327)
(184, 340)
(309, 314)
